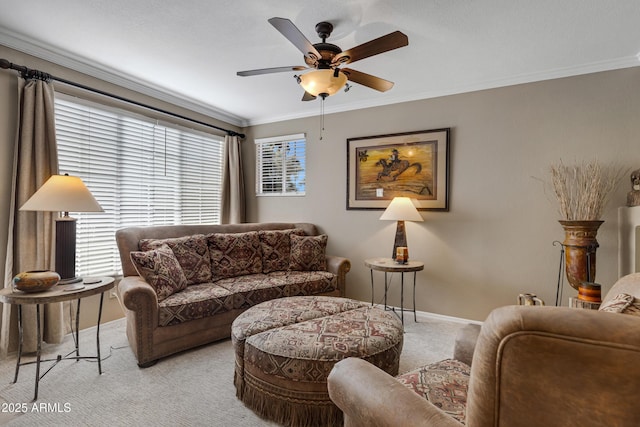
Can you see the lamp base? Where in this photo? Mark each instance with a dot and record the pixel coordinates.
(66, 250)
(401, 238)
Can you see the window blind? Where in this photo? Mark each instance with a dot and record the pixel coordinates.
(141, 172)
(280, 164)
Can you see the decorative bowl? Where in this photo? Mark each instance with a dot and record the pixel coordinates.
(35, 281)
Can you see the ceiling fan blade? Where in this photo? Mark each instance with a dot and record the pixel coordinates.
(308, 97)
(382, 44)
(270, 70)
(368, 80)
(295, 36)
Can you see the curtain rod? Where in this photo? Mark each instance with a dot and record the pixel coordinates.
(28, 73)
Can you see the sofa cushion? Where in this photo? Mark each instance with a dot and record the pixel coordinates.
(276, 248)
(308, 253)
(304, 283)
(194, 302)
(252, 289)
(234, 254)
(160, 268)
(443, 383)
(622, 303)
(192, 253)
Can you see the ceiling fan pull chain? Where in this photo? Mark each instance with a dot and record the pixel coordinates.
(321, 117)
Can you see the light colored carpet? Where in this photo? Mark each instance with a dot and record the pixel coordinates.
(193, 388)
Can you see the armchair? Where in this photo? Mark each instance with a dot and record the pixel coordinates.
(532, 366)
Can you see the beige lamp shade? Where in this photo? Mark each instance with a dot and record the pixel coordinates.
(322, 82)
(62, 193)
(401, 209)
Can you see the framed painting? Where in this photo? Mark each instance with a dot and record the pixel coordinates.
(412, 164)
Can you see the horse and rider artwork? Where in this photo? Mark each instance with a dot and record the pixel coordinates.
(384, 167)
(407, 168)
(398, 166)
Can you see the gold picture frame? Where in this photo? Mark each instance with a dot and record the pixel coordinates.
(411, 164)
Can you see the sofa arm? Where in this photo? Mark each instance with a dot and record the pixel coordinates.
(340, 267)
(140, 304)
(136, 295)
(466, 343)
(369, 397)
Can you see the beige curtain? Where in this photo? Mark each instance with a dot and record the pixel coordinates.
(233, 202)
(31, 237)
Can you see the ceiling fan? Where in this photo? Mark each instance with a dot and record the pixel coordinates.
(326, 59)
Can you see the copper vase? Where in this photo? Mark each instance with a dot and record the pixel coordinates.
(580, 246)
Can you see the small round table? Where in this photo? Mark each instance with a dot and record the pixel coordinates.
(388, 265)
(58, 293)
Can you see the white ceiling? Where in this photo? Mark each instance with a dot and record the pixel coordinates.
(188, 52)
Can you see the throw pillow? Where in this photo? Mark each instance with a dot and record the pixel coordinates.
(622, 303)
(308, 253)
(276, 248)
(617, 304)
(234, 254)
(634, 308)
(160, 268)
(192, 253)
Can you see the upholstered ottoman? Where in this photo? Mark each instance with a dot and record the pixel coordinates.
(285, 349)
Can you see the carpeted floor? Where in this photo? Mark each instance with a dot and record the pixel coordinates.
(193, 388)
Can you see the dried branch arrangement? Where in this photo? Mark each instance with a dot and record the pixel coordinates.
(583, 190)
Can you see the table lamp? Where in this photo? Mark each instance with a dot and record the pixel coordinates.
(401, 209)
(64, 193)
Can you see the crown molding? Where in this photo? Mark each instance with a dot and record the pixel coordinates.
(76, 63)
(66, 59)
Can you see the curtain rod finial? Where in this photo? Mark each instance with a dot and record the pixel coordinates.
(4, 63)
(232, 133)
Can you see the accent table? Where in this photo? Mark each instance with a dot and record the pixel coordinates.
(388, 265)
(58, 293)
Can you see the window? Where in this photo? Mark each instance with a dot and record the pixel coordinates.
(141, 172)
(280, 165)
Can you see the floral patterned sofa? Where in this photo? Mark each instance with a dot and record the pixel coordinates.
(184, 285)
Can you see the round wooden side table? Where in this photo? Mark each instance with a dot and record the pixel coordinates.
(388, 265)
(59, 293)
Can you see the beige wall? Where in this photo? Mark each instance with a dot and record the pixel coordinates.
(8, 103)
(497, 239)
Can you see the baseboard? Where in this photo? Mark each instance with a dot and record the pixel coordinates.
(428, 315)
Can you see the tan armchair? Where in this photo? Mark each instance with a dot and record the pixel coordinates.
(532, 366)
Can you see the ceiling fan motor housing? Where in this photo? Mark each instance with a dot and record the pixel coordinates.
(328, 52)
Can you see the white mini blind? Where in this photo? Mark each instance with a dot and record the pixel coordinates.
(280, 165)
(142, 173)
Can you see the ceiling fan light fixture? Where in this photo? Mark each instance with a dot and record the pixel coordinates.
(325, 81)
